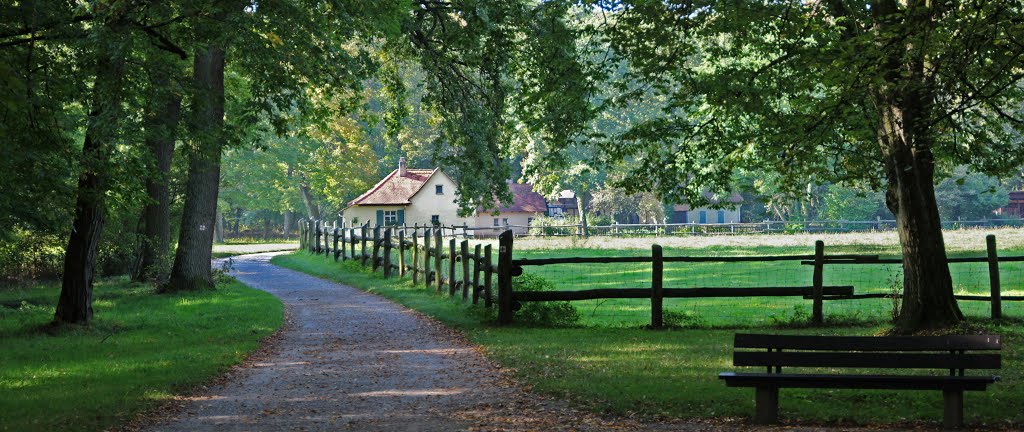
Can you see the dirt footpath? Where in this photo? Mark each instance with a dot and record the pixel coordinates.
(348, 360)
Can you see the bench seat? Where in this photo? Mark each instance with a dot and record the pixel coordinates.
(871, 382)
(952, 355)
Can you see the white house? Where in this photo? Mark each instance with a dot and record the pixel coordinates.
(527, 205)
(407, 197)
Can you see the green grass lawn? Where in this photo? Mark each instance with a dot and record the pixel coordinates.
(141, 349)
(654, 374)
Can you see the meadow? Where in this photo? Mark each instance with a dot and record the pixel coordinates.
(141, 349)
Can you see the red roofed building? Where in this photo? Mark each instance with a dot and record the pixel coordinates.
(407, 197)
(526, 206)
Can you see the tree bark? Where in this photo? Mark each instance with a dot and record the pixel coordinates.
(905, 103)
(287, 225)
(307, 198)
(582, 199)
(218, 228)
(162, 116)
(195, 243)
(75, 302)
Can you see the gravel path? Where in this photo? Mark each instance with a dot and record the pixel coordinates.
(349, 360)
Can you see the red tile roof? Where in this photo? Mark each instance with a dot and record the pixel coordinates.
(524, 200)
(395, 189)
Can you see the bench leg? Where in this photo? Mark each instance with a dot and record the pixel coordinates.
(953, 413)
(766, 400)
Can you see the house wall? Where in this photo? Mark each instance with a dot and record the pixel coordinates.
(358, 215)
(422, 206)
(693, 216)
(484, 220)
(427, 203)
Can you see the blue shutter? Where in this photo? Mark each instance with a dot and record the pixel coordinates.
(703, 217)
(401, 217)
(721, 216)
(380, 217)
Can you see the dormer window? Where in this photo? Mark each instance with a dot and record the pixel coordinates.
(439, 189)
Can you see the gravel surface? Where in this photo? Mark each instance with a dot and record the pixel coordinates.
(349, 360)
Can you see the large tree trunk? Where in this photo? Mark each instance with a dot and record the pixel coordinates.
(218, 229)
(195, 243)
(905, 103)
(312, 209)
(287, 225)
(162, 118)
(75, 303)
(582, 199)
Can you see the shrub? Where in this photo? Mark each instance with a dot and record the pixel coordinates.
(546, 314)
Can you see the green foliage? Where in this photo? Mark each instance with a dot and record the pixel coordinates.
(852, 204)
(141, 349)
(970, 195)
(545, 225)
(546, 314)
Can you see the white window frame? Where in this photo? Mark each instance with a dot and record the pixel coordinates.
(435, 219)
(496, 222)
(439, 189)
(390, 217)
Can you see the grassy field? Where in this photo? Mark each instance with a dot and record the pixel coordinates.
(673, 374)
(140, 350)
(969, 278)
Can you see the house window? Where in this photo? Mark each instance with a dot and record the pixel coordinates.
(496, 222)
(529, 221)
(504, 221)
(439, 189)
(435, 219)
(390, 217)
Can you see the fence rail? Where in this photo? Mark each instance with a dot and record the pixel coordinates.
(817, 292)
(422, 256)
(452, 267)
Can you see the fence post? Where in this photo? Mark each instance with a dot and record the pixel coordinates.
(352, 243)
(302, 242)
(505, 278)
(415, 257)
(488, 273)
(401, 253)
(327, 241)
(657, 289)
(439, 249)
(336, 253)
(818, 281)
(344, 243)
(362, 241)
(451, 265)
(376, 249)
(387, 252)
(993, 276)
(465, 269)
(476, 274)
(426, 257)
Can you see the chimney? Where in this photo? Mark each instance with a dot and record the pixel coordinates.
(401, 167)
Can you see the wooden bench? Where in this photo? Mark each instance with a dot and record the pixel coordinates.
(948, 353)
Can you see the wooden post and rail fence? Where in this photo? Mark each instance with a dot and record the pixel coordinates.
(424, 261)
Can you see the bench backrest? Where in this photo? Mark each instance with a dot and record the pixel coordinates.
(891, 352)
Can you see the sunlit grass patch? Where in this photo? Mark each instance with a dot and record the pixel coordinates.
(140, 349)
